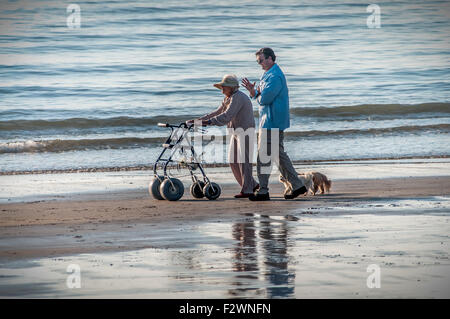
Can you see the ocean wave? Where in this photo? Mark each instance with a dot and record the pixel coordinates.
(85, 123)
(53, 92)
(56, 146)
(346, 113)
(59, 145)
(372, 110)
(437, 128)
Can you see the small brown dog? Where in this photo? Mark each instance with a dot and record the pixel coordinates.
(313, 181)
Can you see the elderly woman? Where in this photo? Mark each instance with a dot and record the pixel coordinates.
(236, 112)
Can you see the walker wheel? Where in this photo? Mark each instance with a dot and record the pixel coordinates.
(153, 187)
(212, 191)
(172, 191)
(197, 189)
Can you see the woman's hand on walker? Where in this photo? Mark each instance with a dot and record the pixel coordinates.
(201, 122)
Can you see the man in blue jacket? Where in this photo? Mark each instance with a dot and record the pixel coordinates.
(273, 99)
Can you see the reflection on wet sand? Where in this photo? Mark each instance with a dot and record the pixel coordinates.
(256, 257)
(260, 257)
(245, 261)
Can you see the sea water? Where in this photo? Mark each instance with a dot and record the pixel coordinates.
(85, 87)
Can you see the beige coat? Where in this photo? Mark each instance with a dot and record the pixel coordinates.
(236, 111)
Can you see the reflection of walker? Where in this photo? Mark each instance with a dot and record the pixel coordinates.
(170, 188)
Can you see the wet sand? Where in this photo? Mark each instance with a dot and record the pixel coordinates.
(130, 245)
(115, 212)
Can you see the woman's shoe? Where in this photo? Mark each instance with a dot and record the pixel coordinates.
(242, 195)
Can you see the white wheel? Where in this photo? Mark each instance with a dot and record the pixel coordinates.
(172, 191)
(153, 187)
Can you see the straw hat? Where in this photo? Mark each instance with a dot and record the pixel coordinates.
(228, 80)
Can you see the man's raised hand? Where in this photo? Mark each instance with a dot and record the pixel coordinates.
(249, 86)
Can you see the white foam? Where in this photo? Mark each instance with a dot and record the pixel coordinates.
(23, 146)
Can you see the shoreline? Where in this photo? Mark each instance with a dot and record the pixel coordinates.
(124, 184)
(150, 166)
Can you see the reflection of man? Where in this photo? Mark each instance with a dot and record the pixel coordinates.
(274, 240)
(236, 112)
(272, 96)
(268, 241)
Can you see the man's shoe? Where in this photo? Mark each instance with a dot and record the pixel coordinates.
(295, 193)
(259, 197)
(242, 195)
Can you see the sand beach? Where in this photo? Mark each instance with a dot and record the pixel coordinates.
(318, 246)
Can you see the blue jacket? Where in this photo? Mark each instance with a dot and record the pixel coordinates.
(273, 100)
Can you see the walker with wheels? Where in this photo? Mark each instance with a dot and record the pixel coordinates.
(171, 188)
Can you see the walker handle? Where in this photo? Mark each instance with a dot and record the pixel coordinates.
(163, 124)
